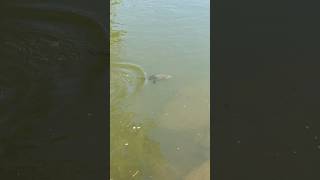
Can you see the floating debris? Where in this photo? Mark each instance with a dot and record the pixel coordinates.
(238, 141)
(307, 127)
(138, 127)
(126, 144)
(316, 138)
(133, 127)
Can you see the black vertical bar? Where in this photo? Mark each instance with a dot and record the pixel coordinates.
(54, 90)
(266, 91)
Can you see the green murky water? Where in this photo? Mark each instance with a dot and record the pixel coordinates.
(160, 130)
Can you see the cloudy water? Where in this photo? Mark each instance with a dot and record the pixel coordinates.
(160, 89)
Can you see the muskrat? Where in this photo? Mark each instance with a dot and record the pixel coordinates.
(157, 77)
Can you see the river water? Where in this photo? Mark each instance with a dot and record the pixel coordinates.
(160, 130)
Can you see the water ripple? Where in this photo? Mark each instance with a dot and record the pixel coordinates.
(126, 80)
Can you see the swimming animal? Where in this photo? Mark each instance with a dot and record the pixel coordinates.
(157, 77)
